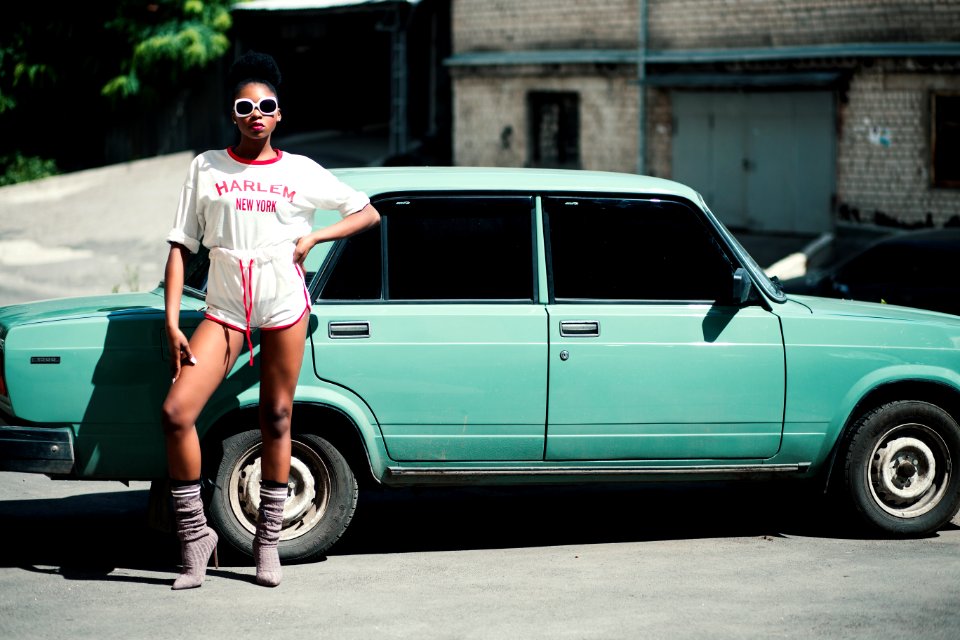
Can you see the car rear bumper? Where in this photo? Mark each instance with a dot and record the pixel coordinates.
(36, 449)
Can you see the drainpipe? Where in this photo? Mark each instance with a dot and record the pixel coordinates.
(642, 86)
(397, 27)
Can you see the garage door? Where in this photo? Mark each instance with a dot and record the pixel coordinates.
(763, 161)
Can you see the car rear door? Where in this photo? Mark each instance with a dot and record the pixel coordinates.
(431, 320)
(645, 363)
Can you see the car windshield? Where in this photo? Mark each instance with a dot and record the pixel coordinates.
(770, 285)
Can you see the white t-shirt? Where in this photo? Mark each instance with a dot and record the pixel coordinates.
(234, 203)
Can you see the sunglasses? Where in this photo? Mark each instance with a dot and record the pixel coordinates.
(245, 106)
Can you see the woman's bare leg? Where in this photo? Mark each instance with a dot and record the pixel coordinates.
(281, 355)
(216, 349)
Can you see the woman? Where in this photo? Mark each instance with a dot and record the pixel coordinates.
(252, 206)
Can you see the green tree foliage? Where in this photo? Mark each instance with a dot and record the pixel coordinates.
(19, 168)
(177, 36)
(73, 75)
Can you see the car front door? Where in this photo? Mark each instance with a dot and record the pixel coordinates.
(442, 337)
(647, 361)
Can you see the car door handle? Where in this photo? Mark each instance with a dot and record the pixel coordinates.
(340, 330)
(580, 329)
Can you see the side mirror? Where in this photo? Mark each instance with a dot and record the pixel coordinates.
(742, 286)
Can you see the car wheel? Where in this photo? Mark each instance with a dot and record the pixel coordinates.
(899, 471)
(321, 502)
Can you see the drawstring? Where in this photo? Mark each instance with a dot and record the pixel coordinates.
(246, 281)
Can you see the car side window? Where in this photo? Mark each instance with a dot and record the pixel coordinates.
(459, 248)
(438, 249)
(916, 264)
(881, 263)
(195, 273)
(630, 249)
(355, 269)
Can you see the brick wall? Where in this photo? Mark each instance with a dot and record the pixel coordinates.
(491, 123)
(697, 24)
(497, 25)
(892, 177)
(659, 134)
(883, 150)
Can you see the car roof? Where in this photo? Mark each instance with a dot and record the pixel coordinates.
(383, 180)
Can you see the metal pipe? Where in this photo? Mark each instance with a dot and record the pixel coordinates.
(641, 86)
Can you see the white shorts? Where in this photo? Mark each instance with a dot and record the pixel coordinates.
(256, 289)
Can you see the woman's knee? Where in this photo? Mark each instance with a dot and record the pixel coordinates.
(174, 417)
(275, 419)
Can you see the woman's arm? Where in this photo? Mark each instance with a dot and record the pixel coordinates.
(351, 225)
(173, 290)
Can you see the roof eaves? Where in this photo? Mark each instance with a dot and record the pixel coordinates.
(688, 56)
(308, 5)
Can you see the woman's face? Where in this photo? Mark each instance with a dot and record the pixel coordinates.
(256, 125)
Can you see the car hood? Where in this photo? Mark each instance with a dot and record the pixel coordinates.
(63, 308)
(856, 308)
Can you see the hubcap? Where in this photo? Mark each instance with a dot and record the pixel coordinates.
(308, 490)
(906, 468)
(909, 470)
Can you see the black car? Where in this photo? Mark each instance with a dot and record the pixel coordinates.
(912, 269)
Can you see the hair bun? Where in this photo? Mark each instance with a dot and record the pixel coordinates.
(254, 67)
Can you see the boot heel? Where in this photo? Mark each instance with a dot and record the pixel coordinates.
(216, 561)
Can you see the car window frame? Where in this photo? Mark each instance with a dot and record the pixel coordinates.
(328, 266)
(771, 288)
(716, 237)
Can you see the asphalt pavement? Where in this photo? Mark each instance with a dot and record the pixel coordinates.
(672, 562)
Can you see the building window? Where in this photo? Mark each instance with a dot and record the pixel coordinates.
(554, 129)
(945, 133)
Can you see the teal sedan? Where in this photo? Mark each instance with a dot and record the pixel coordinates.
(507, 326)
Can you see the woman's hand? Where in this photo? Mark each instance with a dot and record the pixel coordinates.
(180, 353)
(351, 225)
(304, 245)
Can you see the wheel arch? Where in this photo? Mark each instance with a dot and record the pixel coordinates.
(934, 392)
(356, 437)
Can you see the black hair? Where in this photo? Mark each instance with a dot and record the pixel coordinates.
(253, 67)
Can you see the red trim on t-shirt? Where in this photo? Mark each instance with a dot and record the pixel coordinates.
(249, 161)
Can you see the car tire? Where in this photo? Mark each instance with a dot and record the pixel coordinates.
(322, 495)
(900, 468)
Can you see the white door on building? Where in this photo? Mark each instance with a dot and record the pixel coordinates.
(763, 161)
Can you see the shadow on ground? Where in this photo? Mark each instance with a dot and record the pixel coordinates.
(89, 536)
(483, 518)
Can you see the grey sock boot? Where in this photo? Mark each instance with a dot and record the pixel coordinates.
(269, 523)
(197, 540)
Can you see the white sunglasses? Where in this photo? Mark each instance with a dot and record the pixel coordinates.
(245, 106)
